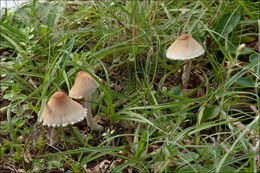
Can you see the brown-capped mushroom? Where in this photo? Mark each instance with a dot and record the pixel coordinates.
(184, 48)
(61, 110)
(83, 88)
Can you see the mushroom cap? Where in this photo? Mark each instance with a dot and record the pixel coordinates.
(84, 85)
(61, 111)
(183, 48)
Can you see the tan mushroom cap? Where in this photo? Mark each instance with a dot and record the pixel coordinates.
(61, 111)
(183, 48)
(84, 85)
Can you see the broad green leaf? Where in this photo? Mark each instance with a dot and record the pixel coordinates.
(255, 59)
(227, 23)
(245, 82)
(243, 39)
(211, 112)
(176, 91)
(42, 30)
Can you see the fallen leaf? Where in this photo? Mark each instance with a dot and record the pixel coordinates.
(98, 119)
(102, 167)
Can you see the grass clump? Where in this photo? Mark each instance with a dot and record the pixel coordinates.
(152, 123)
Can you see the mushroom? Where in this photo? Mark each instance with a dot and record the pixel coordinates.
(83, 88)
(61, 110)
(184, 48)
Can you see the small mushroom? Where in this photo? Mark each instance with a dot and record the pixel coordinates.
(61, 110)
(83, 88)
(184, 48)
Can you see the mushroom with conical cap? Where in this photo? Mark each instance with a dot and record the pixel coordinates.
(183, 48)
(61, 110)
(83, 87)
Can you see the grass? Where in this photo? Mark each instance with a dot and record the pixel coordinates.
(151, 123)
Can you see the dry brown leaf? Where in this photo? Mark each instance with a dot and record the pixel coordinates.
(199, 76)
(192, 95)
(102, 167)
(98, 119)
(152, 147)
(201, 92)
(130, 170)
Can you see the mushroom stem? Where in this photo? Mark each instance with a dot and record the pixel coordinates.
(53, 136)
(186, 73)
(90, 119)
